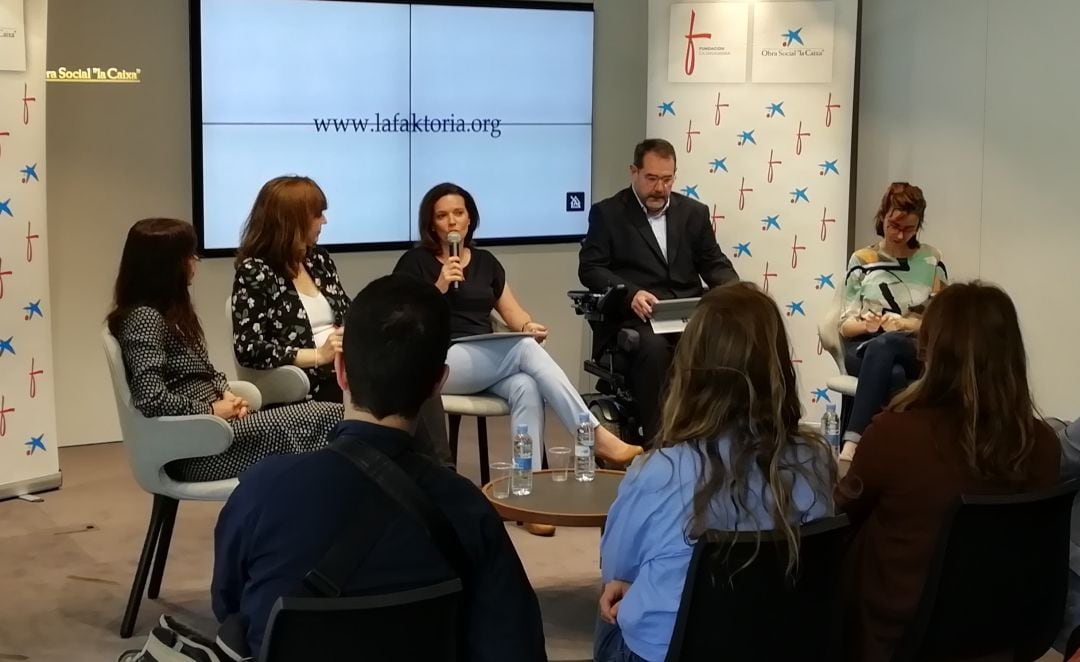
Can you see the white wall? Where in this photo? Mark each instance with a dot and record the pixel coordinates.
(974, 100)
(120, 153)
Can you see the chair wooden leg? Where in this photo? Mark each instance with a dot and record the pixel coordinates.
(127, 626)
(482, 442)
(168, 519)
(454, 421)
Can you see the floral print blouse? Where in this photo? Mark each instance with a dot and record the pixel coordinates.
(270, 324)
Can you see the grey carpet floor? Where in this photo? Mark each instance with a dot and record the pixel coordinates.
(66, 564)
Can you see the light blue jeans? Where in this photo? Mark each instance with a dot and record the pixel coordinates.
(521, 372)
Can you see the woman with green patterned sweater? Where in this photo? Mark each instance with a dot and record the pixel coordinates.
(886, 289)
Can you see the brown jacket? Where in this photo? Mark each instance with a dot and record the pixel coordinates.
(908, 471)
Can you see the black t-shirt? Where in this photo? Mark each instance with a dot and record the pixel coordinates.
(471, 304)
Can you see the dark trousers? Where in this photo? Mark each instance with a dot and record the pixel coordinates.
(884, 367)
(431, 437)
(608, 644)
(649, 366)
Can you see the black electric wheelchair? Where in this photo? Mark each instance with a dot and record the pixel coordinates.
(613, 404)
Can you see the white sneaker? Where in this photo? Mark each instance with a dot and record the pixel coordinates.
(847, 453)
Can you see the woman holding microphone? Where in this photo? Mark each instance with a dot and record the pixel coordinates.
(515, 368)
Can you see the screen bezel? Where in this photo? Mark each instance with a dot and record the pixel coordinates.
(195, 87)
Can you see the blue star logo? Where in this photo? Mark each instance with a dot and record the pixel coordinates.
(33, 308)
(5, 346)
(771, 222)
(667, 108)
(30, 172)
(5, 209)
(747, 137)
(743, 249)
(690, 191)
(825, 280)
(795, 308)
(719, 164)
(35, 444)
(821, 394)
(775, 109)
(829, 166)
(793, 37)
(799, 194)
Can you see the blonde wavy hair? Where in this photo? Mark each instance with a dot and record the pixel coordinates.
(732, 377)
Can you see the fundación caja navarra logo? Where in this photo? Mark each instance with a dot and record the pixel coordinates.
(707, 42)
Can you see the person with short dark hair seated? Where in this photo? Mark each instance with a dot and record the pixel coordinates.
(288, 511)
(732, 456)
(966, 426)
(656, 245)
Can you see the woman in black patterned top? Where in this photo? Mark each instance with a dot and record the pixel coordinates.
(287, 298)
(288, 301)
(168, 370)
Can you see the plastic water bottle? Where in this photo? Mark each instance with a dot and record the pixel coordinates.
(830, 427)
(584, 460)
(521, 475)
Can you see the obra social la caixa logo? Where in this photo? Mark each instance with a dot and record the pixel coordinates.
(793, 43)
(695, 34)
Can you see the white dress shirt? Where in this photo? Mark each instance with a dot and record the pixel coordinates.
(658, 223)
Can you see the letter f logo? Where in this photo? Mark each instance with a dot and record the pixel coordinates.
(690, 61)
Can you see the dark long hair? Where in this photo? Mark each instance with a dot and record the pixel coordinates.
(429, 239)
(974, 359)
(276, 230)
(154, 272)
(732, 376)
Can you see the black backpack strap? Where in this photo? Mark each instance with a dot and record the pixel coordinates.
(403, 490)
(329, 576)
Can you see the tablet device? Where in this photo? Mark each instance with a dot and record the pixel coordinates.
(671, 315)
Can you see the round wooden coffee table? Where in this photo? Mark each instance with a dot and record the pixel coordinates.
(568, 503)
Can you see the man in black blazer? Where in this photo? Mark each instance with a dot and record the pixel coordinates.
(658, 245)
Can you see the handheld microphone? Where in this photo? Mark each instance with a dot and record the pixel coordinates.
(454, 239)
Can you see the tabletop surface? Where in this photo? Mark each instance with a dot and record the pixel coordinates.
(568, 503)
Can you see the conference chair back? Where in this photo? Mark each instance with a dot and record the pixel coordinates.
(751, 610)
(416, 624)
(998, 579)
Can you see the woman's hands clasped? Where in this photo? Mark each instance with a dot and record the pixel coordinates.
(230, 406)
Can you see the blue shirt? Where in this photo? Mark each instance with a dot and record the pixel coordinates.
(645, 542)
(289, 509)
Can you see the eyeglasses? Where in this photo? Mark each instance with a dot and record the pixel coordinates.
(653, 180)
(903, 229)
